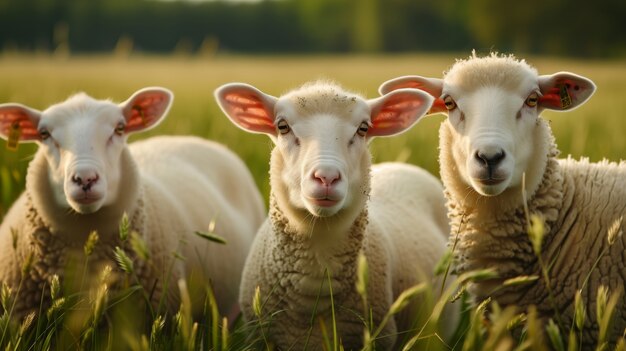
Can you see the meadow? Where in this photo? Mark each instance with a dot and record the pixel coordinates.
(595, 130)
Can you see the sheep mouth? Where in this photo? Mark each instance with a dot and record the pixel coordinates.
(325, 202)
(87, 199)
(490, 181)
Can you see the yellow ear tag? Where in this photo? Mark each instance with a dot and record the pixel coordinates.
(141, 114)
(566, 100)
(14, 135)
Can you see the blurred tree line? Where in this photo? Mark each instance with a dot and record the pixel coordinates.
(556, 27)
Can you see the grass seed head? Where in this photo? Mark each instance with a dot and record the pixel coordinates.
(6, 297)
(124, 227)
(100, 303)
(56, 306)
(555, 336)
(55, 287)
(579, 310)
(26, 323)
(125, 263)
(256, 302)
(157, 329)
(520, 280)
(91, 243)
(615, 231)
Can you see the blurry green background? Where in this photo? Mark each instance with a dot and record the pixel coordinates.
(52, 49)
(564, 27)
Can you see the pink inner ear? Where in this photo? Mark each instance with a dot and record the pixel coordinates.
(145, 110)
(423, 84)
(551, 99)
(10, 117)
(249, 111)
(397, 114)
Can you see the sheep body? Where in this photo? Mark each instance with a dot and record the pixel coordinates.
(399, 225)
(405, 204)
(170, 188)
(494, 147)
(579, 201)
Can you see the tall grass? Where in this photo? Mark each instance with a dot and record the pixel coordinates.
(94, 316)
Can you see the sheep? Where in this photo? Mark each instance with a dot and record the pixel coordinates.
(84, 177)
(493, 147)
(326, 207)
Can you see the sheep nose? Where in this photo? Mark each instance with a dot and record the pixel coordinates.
(85, 179)
(326, 176)
(490, 160)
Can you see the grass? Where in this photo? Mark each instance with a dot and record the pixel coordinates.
(97, 318)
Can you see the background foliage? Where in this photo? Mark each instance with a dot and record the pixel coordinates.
(563, 27)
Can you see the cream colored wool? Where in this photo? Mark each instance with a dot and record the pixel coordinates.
(579, 202)
(493, 105)
(170, 187)
(399, 223)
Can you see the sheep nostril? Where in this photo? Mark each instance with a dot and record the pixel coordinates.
(326, 178)
(490, 160)
(77, 180)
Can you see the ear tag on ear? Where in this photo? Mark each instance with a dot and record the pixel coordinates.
(141, 114)
(14, 135)
(566, 100)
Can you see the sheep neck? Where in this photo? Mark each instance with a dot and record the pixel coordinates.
(289, 233)
(309, 267)
(484, 236)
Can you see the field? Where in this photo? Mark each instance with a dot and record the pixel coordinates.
(595, 130)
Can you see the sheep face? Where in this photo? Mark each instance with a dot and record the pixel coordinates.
(324, 153)
(493, 105)
(82, 140)
(321, 134)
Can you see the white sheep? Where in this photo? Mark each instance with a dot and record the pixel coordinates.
(84, 177)
(492, 137)
(326, 207)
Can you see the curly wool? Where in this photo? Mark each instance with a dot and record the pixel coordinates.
(297, 269)
(51, 254)
(578, 201)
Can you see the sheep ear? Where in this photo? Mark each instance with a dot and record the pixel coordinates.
(397, 111)
(432, 86)
(146, 108)
(564, 91)
(18, 123)
(247, 107)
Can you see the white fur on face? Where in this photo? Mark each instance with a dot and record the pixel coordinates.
(83, 152)
(494, 129)
(323, 156)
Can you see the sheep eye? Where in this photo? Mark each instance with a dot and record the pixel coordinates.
(532, 100)
(449, 102)
(363, 128)
(283, 127)
(120, 128)
(44, 134)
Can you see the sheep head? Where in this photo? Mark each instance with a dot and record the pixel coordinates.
(82, 139)
(321, 134)
(493, 105)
